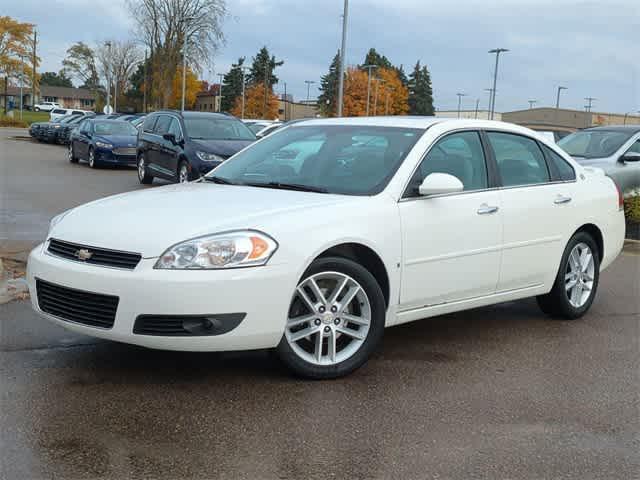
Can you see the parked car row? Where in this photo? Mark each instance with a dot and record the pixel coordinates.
(58, 130)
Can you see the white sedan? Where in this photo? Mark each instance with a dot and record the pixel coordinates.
(316, 238)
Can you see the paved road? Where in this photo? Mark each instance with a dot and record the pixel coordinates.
(498, 392)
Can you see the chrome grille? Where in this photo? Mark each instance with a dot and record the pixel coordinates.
(97, 256)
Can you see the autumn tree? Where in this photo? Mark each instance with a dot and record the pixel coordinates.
(420, 91)
(117, 61)
(192, 87)
(80, 63)
(16, 49)
(232, 85)
(254, 103)
(388, 96)
(328, 98)
(355, 93)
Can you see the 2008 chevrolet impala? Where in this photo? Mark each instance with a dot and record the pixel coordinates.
(316, 238)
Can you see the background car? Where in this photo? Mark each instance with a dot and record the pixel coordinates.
(61, 112)
(183, 146)
(615, 149)
(46, 106)
(41, 130)
(102, 142)
(257, 125)
(62, 131)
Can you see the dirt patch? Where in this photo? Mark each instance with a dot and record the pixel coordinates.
(13, 268)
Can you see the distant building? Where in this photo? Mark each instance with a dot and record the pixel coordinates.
(467, 114)
(68, 97)
(548, 118)
(287, 109)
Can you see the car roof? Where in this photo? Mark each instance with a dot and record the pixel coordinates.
(191, 114)
(107, 120)
(617, 128)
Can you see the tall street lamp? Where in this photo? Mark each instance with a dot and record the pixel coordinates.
(369, 67)
(108, 107)
(21, 83)
(558, 96)
(375, 99)
(532, 103)
(497, 51)
(343, 54)
(460, 95)
(309, 83)
(221, 75)
(244, 69)
(490, 91)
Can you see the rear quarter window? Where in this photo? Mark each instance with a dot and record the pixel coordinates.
(58, 110)
(566, 171)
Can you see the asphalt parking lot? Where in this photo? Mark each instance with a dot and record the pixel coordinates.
(498, 392)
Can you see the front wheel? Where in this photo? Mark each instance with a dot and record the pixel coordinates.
(335, 320)
(576, 284)
(184, 172)
(92, 158)
(71, 154)
(36, 109)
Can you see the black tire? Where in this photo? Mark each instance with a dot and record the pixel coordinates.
(72, 156)
(181, 165)
(556, 303)
(374, 335)
(36, 109)
(144, 177)
(93, 163)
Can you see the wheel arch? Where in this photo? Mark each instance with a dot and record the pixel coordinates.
(365, 256)
(596, 234)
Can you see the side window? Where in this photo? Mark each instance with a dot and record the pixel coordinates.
(76, 112)
(458, 154)
(520, 160)
(174, 128)
(162, 125)
(83, 126)
(149, 123)
(635, 147)
(566, 171)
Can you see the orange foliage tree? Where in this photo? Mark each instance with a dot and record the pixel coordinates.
(193, 86)
(254, 103)
(390, 92)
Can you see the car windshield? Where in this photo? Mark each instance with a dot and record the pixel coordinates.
(114, 128)
(333, 159)
(256, 127)
(210, 128)
(594, 143)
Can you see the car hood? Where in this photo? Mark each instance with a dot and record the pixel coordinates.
(118, 140)
(224, 148)
(149, 221)
(592, 161)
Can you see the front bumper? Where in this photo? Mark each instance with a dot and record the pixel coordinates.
(263, 293)
(107, 156)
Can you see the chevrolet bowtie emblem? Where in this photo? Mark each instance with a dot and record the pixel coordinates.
(83, 254)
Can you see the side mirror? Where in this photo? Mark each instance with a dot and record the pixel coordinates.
(85, 133)
(170, 137)
(440, 183)
(630, 157)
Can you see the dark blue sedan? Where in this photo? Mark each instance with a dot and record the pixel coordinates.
(103, 142)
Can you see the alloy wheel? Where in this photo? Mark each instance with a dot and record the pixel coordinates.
(70, 153)
(329, 318)
(141, 168)
(579, 275)
(92, 158)
(183, 174)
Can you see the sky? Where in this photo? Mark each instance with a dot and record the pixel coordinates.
(588, 46)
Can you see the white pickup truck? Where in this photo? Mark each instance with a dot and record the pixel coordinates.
(46, 106)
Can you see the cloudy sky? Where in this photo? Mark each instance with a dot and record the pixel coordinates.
(589, 46)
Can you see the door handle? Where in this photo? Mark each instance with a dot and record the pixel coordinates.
(560, 199)
(487, 209)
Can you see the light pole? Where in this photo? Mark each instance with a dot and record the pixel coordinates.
(369, 67)
(532, 103)
(460, 95)
(309, 83)
(221, 75)
(21, 83)
(375, 99)
(343, 50)
(590, 104)
(558, 96)
(477, 106)
(184, 70)
(243, 70)
(490, 90)
(497, 51)
(386, 110)
(108, 107)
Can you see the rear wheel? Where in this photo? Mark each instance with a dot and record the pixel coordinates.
(335, 321)
(37, 109)
(143, 172)
(71, 154)
(576, 284)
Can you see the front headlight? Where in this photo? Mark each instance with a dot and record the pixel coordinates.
(57, 126)
(243, 248)
(208, 157)
(103, 145)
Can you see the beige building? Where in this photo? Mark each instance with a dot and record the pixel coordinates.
(287, 110)
(562, 119)
(468, 114)
(68, 97)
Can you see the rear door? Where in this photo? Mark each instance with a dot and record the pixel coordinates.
(156, 146)
(168, 152)
(538, 211)
(83, 139)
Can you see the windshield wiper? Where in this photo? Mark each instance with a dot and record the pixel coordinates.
(288, 186)
(220, 180)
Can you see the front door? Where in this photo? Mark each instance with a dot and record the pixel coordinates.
(451, 243)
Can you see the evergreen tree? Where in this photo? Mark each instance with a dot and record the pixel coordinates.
(374, 58)
(54, 79)
(232, 85)
(328, 98)
(402, 76)
(262, 68)
(420, 91)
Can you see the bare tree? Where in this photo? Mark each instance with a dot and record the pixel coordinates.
(165, 26)
(117, 61)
